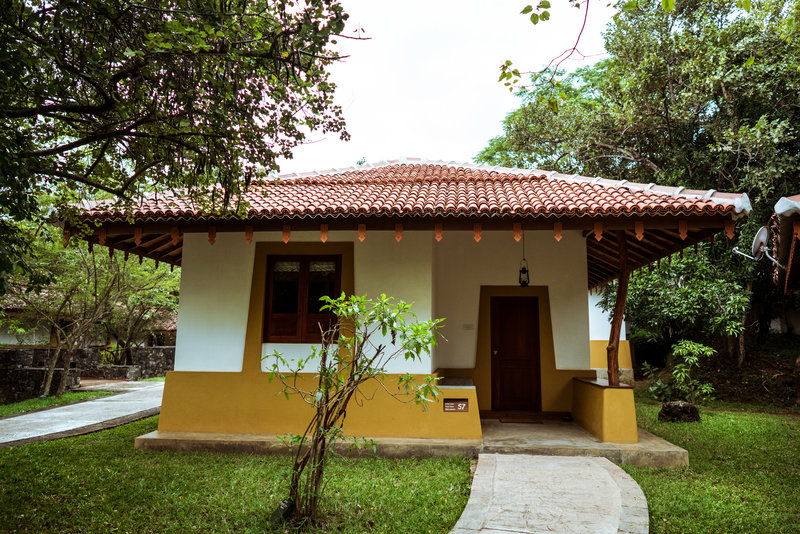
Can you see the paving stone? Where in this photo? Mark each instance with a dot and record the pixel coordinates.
(566, 494)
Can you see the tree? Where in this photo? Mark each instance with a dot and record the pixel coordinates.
(150, 301)
(72, 291)
(355, 350)
(131, 97)
(683, 298)
(703, 96)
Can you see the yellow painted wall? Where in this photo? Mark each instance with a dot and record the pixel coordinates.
(556, 383)
(608, 413)
(247, 403)
(599, 355)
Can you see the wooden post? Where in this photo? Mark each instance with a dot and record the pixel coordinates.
(619, 311)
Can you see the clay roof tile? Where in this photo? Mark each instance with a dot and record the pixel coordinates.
(415, 187)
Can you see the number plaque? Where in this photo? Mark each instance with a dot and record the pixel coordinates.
(456, 405)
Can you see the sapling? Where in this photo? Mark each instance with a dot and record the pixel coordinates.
(355, 349)
(688, 388)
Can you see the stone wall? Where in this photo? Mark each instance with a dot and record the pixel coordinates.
(25, 383)
(22, 369)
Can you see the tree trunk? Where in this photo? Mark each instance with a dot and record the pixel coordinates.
(797, 380)
(740, 361)
(612, 351)
(62, 384)
(48, 376)
(731, 346)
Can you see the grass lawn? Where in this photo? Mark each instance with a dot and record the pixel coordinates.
(744, 473)
(37, 404)
(99, 483)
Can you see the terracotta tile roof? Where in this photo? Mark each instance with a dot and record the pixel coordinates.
(440, 189)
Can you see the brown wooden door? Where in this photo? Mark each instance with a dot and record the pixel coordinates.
(516, 382)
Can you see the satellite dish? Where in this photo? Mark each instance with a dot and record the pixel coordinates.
(759, 249)
(760, 243)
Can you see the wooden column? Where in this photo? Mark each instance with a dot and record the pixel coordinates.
(619, 311)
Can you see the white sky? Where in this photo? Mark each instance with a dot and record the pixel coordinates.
(425, 83)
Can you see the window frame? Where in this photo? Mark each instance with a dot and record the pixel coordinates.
(301, 331)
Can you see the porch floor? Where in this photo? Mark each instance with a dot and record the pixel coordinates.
(554, 437)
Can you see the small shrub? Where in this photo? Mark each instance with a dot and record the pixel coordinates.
(686, 387)
(659, 389)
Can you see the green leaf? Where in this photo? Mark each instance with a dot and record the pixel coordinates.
(630, 5)
(527, 10)
(544, 4)
(545, 15)
(749, 61)
(535, 18)
(668, 5)
(553, 104)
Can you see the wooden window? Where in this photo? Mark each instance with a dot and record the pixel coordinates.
(294, 286)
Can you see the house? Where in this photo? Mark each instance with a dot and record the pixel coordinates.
(450, 238)
(786, 230)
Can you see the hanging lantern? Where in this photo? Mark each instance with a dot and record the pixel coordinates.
(524, 277)
(524, 272)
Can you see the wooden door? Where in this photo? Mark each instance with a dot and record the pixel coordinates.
(516, 381)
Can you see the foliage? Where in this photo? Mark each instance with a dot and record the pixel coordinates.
(683, 298)
(742, 476)
(688, 388)
(356, 349)
(133, 96)
(148, 304)
(98, 482)
(703, 96)
(659, 389)
(678, 380)
(72, 292)
(31, 405)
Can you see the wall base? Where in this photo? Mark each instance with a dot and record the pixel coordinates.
(271, 444)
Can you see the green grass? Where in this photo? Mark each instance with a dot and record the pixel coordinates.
(744, 473)
(153, 379)
(37, 404)
(99, 483)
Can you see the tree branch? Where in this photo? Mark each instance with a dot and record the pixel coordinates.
(81, 180)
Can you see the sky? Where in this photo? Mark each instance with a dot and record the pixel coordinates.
(424, 83)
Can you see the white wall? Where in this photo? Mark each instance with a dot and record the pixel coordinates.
(215, 292)
(600, 321)
(441, 279)
(462, 266)
(214, 301)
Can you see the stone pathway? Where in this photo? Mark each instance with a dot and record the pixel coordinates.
(135, 400)
(516, 493)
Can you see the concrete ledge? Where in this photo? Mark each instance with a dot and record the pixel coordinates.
(569, 439)
(271, 444)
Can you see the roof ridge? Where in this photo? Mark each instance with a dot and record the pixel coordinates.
(412, 161)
